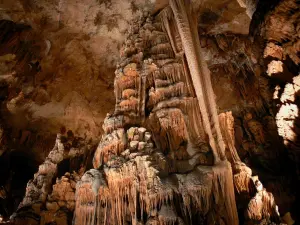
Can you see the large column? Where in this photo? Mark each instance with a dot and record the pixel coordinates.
(200, 76)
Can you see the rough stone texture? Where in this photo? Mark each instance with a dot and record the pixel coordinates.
(171, 179)
(279, 29)
(80, 47)
(45, 202)
(75, 77)
(172, 88)
(217, 17)
(156, 162)
(59, 72)
(60, 203)
(253, 199)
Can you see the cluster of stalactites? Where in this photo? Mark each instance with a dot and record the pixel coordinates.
(159, 84)
(183, 25)
(136, 184)
(134, 193)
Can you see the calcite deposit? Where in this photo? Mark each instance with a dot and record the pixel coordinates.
(203, 127)
(176, 157)
(44, 203)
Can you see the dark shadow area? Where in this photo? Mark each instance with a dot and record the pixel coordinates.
(16, 169)
(262, 9)
(284, 182)
(294, 156)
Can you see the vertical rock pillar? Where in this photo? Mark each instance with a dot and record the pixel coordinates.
(201, 80)
(200, 76)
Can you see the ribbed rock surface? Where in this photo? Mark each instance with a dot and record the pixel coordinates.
(204, 128)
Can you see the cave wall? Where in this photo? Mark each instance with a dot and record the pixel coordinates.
(279, 30)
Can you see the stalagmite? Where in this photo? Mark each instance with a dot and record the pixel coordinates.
(161, 171)
(50, 198)
(260, 206)
(168, 154)
(38, 188)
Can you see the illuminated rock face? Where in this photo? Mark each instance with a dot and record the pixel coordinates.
(281, 54)
(65, 71)
(166, 156)
(174, 170)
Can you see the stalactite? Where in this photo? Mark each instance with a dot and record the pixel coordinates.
(227, 129)
(195, 123)
(171, 29)
(223, 182)
(200, 76)
(160, 94)
(163, 48)
(138, 182)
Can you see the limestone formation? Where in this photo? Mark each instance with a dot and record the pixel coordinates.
(174, 170)
(204, 128)
(287, 118)
(45, 201)
(262, 205)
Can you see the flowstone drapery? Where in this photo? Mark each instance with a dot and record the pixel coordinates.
(166, 156)
(259, 205)
(162, 157)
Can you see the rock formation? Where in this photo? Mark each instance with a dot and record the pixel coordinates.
(163, 173)
(44, 203)
(202, 116)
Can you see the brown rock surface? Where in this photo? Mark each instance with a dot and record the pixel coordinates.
(203, 128)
